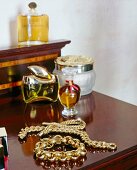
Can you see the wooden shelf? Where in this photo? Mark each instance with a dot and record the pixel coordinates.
(14, 62)
(29, 51)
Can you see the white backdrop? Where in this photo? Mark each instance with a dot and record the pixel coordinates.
(103, 29)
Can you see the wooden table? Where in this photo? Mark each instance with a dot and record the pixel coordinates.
(107, 119)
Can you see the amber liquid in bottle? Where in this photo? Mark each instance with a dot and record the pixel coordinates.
(32, 29)
(69, 94)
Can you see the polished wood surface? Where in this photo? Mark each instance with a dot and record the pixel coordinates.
(107, 119)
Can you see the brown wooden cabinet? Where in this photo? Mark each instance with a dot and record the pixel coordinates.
(14, 62)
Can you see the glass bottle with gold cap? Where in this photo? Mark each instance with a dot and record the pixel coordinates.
(32, 28)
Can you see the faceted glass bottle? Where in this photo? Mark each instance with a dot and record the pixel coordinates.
(39, 86)
(32, 28)
(69, 93)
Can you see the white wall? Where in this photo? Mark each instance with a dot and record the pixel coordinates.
(103, 29)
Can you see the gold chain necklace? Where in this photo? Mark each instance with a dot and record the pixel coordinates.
(70, 127)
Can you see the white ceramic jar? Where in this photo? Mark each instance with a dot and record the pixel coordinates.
(85, 76)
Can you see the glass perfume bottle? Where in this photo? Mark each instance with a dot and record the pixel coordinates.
(40, 85)
(32, 28)
(69, 93)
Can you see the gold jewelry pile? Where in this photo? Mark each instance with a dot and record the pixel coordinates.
(44, 149)
(62, 156)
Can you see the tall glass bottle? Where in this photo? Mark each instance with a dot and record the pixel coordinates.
(32, 28)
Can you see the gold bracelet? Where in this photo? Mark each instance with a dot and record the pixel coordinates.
(43, 149)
